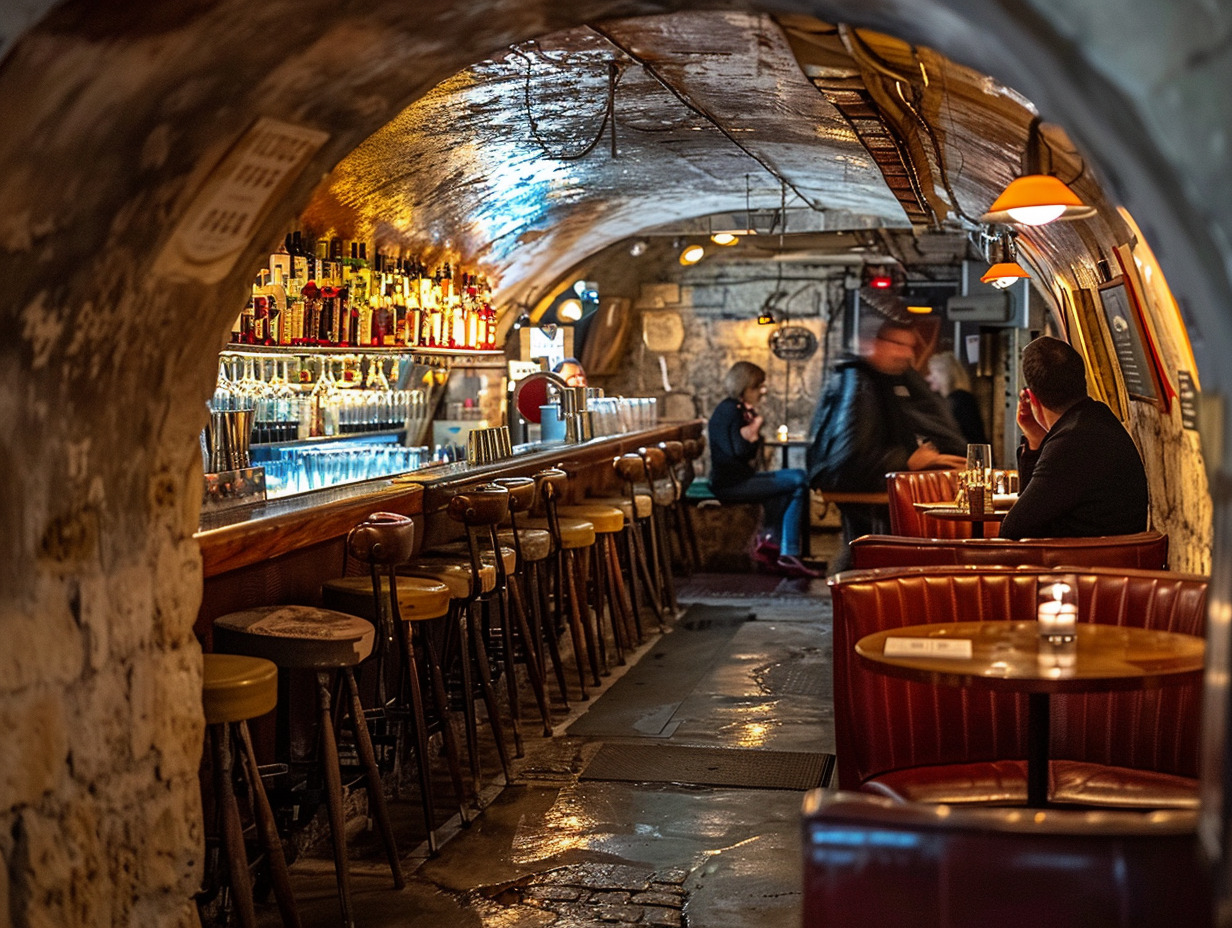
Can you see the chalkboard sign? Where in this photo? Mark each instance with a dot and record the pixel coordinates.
(1188, 395)
(793, 343)
(1128, 342)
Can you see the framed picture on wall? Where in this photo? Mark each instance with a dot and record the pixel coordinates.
(1138, 366)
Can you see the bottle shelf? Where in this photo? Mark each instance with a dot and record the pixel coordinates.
(283, 351)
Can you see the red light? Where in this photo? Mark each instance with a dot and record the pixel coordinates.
(880, 282)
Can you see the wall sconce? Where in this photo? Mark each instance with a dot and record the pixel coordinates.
(920, 310)
(766, 317)
(692, 254)
(1036, 198)
(569, 311)
(1005, 269)
(724, 238)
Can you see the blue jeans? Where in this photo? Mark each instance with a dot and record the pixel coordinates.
(785, 496)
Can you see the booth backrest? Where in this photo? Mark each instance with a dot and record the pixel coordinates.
(870, 862)
(905, 488)
(1143, 550)
(883, 723)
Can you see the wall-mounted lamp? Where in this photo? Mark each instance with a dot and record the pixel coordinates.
(1037, 198)
(569, 311)
(638, 248)
(1005, 268)
(920, 310)
(766, 317)
(692, 254)
(724, 238)
(881, 281)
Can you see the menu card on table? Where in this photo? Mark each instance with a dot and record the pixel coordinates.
(928, 647)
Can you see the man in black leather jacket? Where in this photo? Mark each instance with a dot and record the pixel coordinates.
(876, 415)
(1079, 471)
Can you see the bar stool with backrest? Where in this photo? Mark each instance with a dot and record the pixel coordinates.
(663, 495)
(410, 615)
(611, 597)
(569, 536)
(235, 689)
(676, 463)
(527, 588)
(329, 644)
(470, 578)
(639, 511)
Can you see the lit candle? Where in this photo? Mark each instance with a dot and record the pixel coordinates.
(1056, 616)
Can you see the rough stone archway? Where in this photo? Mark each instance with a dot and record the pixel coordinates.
(114, 121)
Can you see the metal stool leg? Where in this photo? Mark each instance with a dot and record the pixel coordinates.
(533, 667)
(489, 694)
(452, 756)
(232, 828)
(333, 797)
(267, 829)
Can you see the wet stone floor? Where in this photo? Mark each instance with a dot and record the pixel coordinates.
(580, 840)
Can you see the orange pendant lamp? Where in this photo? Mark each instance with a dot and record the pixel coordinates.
(1005, 270)
(1036, 198)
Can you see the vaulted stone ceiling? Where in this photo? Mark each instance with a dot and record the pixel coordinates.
(521, 166)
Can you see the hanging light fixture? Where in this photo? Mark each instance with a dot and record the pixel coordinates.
(1037, 198)
(731, 234)
(570, 310)
(692, 254)
(1005, 268)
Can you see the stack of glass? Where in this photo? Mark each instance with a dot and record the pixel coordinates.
(299, 469)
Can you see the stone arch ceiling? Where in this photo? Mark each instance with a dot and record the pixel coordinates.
(485, 163)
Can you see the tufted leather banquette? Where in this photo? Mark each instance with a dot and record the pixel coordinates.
(949, 744)
(905, 488)
(871, 862)
(1143, 550)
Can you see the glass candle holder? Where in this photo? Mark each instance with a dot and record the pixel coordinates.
(1057, 607)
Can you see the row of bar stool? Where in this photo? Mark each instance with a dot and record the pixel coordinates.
(430, 621)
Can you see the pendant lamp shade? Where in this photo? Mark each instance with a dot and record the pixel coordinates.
(1003, 274)
(1037, 199)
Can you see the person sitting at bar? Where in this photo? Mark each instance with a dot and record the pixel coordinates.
(572, 371)
(735, 470)
(1079, 471)
(877, 415)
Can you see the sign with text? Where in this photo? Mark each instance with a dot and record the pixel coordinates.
(1128, 342)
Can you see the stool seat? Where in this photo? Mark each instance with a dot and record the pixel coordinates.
(607, 520)
(536, 543)
(644, 504)
(419, 598)
(574, 533)
(236, 688)
(663, 492)
(459, 549)
(298, 636)
(453, 572)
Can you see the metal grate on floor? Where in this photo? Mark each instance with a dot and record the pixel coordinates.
(702, 766)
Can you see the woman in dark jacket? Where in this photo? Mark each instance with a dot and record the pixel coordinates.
(735, 467)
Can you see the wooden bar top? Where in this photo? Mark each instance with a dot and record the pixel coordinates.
(241, 538)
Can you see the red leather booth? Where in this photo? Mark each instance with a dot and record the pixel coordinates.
(1143, 550)
(948, 744)
(870, 862)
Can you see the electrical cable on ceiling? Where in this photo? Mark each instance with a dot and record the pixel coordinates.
(615, 70)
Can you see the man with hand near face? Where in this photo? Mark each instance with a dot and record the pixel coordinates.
(1079, 471)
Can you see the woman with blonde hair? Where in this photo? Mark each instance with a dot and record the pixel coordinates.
(949, 378)
(735, 469)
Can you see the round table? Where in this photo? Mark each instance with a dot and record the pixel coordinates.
(951, 514)
(1011, 657)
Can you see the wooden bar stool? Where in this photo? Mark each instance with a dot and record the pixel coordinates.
(676, 464)
(663, 495)
(532, 547)
(611, 596)
(403, 608)
(327, 643)
(693, 449)
(235, 689)
(635, 511)
(470, 578)
(569, 535)
(631, 469)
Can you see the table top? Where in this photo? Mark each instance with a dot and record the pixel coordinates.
(1010, 657)
(961, 515)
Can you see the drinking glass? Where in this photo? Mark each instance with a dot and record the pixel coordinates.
(979, 473)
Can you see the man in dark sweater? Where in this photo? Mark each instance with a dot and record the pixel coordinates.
(1079, 470)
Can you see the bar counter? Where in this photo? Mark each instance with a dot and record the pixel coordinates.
(280, 551)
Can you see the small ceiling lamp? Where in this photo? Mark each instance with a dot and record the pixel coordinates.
(766, 317)
(881, 281)
(569, 311)
(1005, 269)
(920, 310)
(1037, 198)
(692, 254)
(724, 238)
